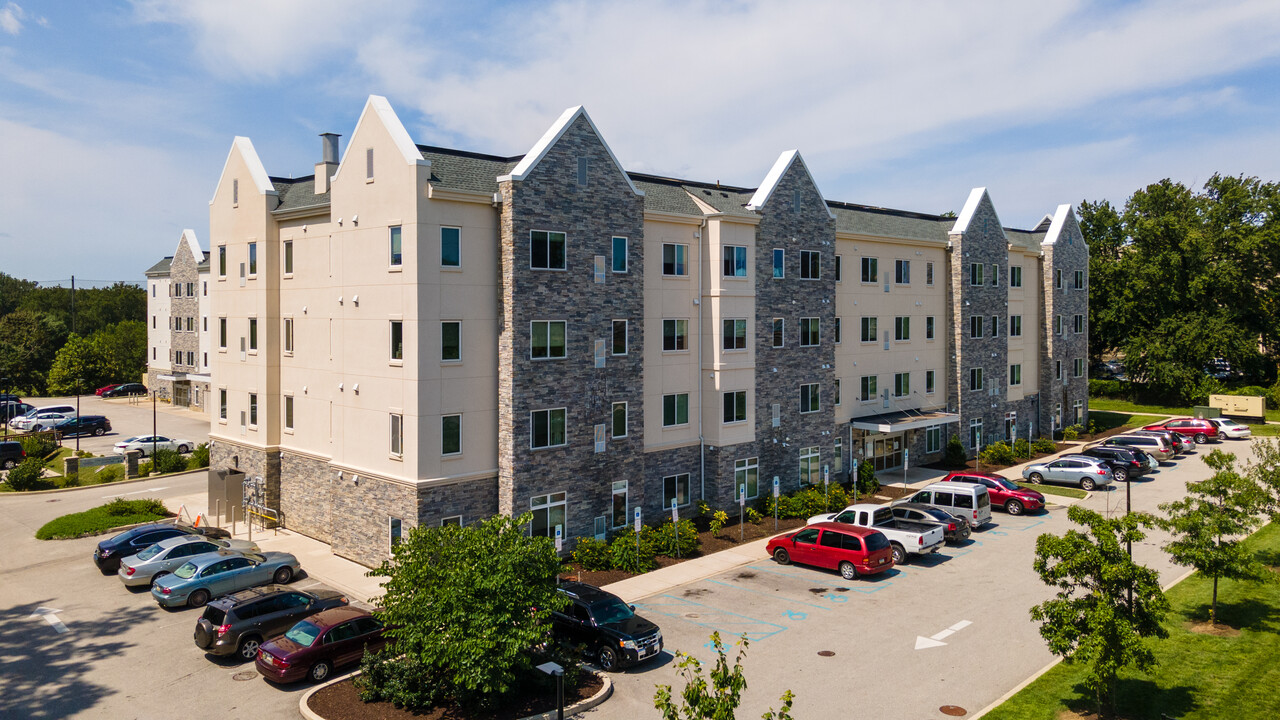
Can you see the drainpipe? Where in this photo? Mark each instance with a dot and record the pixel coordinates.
(702, 444)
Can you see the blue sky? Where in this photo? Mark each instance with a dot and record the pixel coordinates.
(115, 117)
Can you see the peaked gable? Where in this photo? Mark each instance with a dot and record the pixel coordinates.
(192, 244)
(257, 173)
(552, 136)
(378, 108)
(774, 178)
(1064, 226)
(979, 202)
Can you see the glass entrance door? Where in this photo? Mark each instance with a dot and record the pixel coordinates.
(884, 452)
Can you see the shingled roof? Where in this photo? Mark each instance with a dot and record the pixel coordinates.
(298, 193)
(160, 269)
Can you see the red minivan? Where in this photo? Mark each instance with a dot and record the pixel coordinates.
(850, 549)
(1200, 431)
(1004, 493)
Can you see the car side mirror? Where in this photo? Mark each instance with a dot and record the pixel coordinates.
(633, 607)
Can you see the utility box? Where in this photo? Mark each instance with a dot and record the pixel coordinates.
(1250, 407)
(1203, 412)
(226, 493)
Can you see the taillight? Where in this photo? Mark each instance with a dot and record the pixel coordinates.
(223, 629)
(129, 571)
(975, 514)
(951, 526)
(1102, 471)
(1135, 463)
(165, 591)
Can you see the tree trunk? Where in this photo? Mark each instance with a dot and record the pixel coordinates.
(1213, 606)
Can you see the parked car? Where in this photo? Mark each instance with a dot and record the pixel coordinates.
(11, 410)
(612, 633)
(11, 453)
(905, 537)
(9, 398)
(959, 498)
(24, 421)
(1086, 472)
(852, 549)
(207, 576)
(236, 624)
(1004, 493)
(169, 554)
(1200, 431)
(1155, 446)
(1231, 428)
(84, 425)
(145, 443)
(109, 552)
(1125, 463)
(43, 421)
(106, 389)
(954, 527)
(313, 647)
(126, 390)
(1181, 444)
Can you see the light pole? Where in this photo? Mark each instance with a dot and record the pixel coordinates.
(153, 427)
(78, 381)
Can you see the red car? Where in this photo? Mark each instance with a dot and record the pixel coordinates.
(1004, 493)
(850, 549)
(1200, 431)
(107, 388)
(314, 647)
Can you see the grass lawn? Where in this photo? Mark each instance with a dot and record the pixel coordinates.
(1129, 407)
(1054, 490)
(1265, 430)
(1199, 676)
(117, 513)
(1104, 420)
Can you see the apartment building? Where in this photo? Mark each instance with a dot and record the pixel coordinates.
(418, 335)
(178, 325)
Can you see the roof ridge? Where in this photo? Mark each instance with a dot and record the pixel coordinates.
(468, 153)
(886, 211)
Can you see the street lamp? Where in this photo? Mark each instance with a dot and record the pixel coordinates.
(552, 668)
(153, 426)
(78, 381)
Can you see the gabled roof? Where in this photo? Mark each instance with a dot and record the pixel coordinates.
(462, 170)
(298, 193)
(379, 106)
(780, 167)
(257, 172)
(549, 139)
(1055, 228)
(190, 236)
(966, 214)
(160, 269)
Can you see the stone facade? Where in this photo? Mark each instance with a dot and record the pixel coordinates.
(306, 495)
(363, 507)
(185, 309)
(1065, 255)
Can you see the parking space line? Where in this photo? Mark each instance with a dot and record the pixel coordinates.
(729, 623)
(1038, 522)
(135, 492)
(757, 592)
(880, 585)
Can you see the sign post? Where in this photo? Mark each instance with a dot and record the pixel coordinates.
(826, 487)
(637, 524)
(742, 504)
(776, 493)
(675, 526)
(906, 460)
(559, 537)
(855, 481)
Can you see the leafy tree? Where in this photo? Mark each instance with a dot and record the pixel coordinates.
(718, 699)
(465, 608)
(955, 455)
(1265, 473)
(1210, 523)
(77, 366)
(28, 342)
(1091, 618)
(28, 475)
(96, 308)
(12, 290)
(123, 346)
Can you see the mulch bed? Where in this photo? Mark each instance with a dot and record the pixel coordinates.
(973, 464)
(341, 701)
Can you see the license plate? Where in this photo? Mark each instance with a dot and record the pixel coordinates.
(880, 561)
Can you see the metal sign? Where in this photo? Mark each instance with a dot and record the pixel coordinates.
(675, 514)
(776, 489)
(906, 458)
(637, 519)
(559, 537)
(742, 495)
(826, 474)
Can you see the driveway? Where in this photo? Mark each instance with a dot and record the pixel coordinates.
(130, 417)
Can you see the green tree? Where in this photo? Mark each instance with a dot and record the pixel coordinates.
(1210, 523)
(1264, 471)
(95, 308)
(123, 347)
(465, 609)
(717, 699)
(1091, 619)
(12, 290)
(78, 366)
(28, 342)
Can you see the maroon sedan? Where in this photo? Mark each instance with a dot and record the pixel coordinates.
(315, 646)
(1004, 493)
(106, 388)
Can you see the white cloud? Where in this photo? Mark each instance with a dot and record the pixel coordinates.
(11, 18)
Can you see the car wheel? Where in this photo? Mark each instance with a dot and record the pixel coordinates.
(1122, 475)
(899, 555)
(99, 432)
(1013, 507)
(183, 449)
(156, 577)
(198, 598)
(1036, 478)
(1201, 438)
(283, 576)
(249, 647)
(607, 658)
(320, 671)
(1087, 484)
(8, 464)
(848, 571)
(781, 557)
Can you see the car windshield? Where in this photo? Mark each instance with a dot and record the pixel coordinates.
(611, 611)
(304, 633)
(187, 571)
(1006, 484)
(150, 552)
(937, 514)
(876, 541)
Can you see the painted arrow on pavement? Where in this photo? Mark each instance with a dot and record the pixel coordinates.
(936, 639)
(50, 616)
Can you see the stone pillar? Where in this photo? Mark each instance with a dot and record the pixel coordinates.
(70, 465)
(131, 464)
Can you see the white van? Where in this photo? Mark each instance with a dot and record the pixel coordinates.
(23, 422)
(969, 500)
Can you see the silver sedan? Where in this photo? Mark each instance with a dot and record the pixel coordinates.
(1081, 470)
(167, 555)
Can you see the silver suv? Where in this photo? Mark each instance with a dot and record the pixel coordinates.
(1156, 447)
(1081, 470)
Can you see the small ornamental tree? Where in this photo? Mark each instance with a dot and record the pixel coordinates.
(718, 699)
(1091, 619)
(1211, 522)
(1265, 471)
(465, 608)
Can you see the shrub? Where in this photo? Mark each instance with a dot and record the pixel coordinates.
(753, 515)
(144, 468)
(704, 510)
(39, 445)
(1118, 389)
(168, 461)
(29, 475)
(955, 455)
(1273, 396)
(1198, 394)
(1021, 448)
(867, 482)
(71, 480)
(200, 456)
(626, 553)
(1044, 445)
(718, 520)
(592, 554)
(109, 474)
(1071, 432)
(669, 539)
(997, 453)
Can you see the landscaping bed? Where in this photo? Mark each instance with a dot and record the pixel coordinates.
(341, 701)
(103, 519)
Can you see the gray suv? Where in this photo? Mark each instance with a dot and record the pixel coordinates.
(1081, 470)
(238, 623)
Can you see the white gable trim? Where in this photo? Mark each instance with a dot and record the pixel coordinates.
(551, 137)
(193, 245)
(970, 207)
(257, 172)
(1055, 228)
(382, 109)
(774, 177)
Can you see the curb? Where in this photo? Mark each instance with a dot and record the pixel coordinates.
(102, 485)
(604, 693)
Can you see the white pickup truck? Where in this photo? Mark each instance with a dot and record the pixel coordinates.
(905, 536)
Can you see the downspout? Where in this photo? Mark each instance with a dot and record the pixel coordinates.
(702, 444)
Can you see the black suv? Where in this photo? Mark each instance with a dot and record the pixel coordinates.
(1125, 462)
(84, 425)
(238, 623)
(607, 628)
(134, 540)
(126, 390)
(11, 453)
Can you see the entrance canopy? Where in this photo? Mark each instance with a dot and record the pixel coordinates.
(903, 420)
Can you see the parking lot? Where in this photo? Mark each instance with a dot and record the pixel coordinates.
(130, 417)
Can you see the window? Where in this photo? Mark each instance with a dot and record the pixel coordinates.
(735, 406)
(995, 326)
(1015, 326)
(368, 163)
(901, 384)
(253, 333)
(1077, 369)
(1079, 322)
(451, 341)
(253, 409)
(975, 434)
(222, 404)
(675, 259)
(779, 332)
(837, 330)
(288, 412)
(546, 250)
(618, 421)
(450, 247)
(618, 509)
(191, 327)
(206, 360)
(675, 409)
(205, 320)
(1015, 276)
(675, 335)
(868, 389)
(746, 477)
(810, 332)
(191, 358)
(288, 257)
(222, 333)
(288, 335)
(809, 398)
(583, 165)
(735, 260)
(548, 428)
(253, 259)
(839, 267)
(1078, 280)
(928, 327)
(837, 461)
(153, 353)
(810, 265)
(548, 514)
(1077, 412)
(779, 263)
(975, 273)
(870, 269)
(397, 434)
(222, 261)
(902, 328)
(928, 273)
(619, 337)
(619, 254)
(548, 339)
(928, 382)
(1057, 324)
(675, 488)
(455, 520)
(396, 246)
(1015, 374)
(397, 340)
(837, 391)
(1057, 279)
(1057, 369)
(901, 272)
(735, 335)
(933, 439)
(975, 326)
(868, 329)
(995, 275)
(451, 435)
(809, 469)
(975, 378)
(235, 191)
(395, 531)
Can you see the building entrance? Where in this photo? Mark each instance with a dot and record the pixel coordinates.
(884, 452)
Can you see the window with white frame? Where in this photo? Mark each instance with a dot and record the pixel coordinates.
(288, 336)
(253, 334)
(975, 326)
(1057, 324)
(810, 265)
(547, 428)
(396, 246)
(1015, 374)
(675, 409)
(1079, 324)
(995, 275)
(619, 257)
(222, 403)
(867, 388)
(928, 327)
(1015, 276)
(619, 344)
(1078, 283)
(810, 469)
(584, 164)
(1077, 412)
(902, 328)
(455, 520)
(450, 340)
(546, 250)
(618, 421)
(1015, 326)
(675, 487)
(868, 329)
(735, 406)
(675, 335)
(975, 378)
(675, 259)
(222, 261)
(547, 339)
(837, 331)
(734, 260)
(288, 257)
(779, 332)
(746, 475)
(735, 334)
(253, 259)
(933, 439)
(1077, 367)
(995, 326)
(837, 391)
(397, 339)
(450, 247)
(929, 386)
(901, 384)
(870, 269)
(975, 434)
(222, 333)
(976, 273)
(779, 263)
(928, 273)
(548, 514)
(1057, 279)
(901, 272)
(451, 434)
(618, 507)
(1057, 369)
(810, 332)
(397, 434)
(810, 401)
